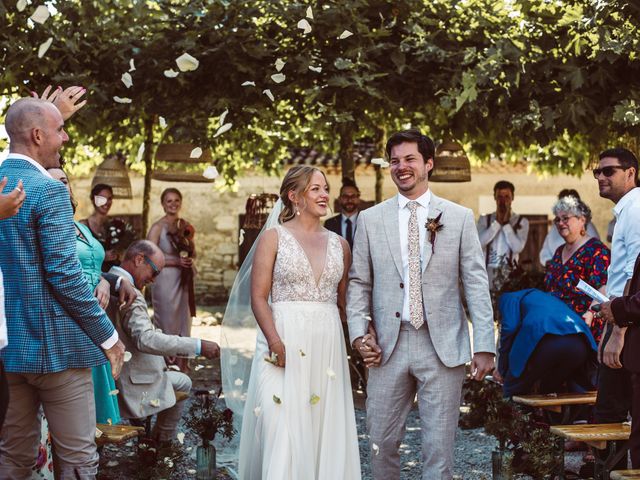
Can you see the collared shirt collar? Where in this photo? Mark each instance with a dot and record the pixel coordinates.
(353, 217)
(19, 156)
(627, 198)
(423, 200)
(123, 273)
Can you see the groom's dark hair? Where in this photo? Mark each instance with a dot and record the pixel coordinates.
(426, 146)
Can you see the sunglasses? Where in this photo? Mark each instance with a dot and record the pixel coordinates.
(156, 270)
(607, 171)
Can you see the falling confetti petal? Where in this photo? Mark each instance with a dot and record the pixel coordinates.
(140, 153)
(114, 392)
(277, 400)
(268, 93)
(21, 5)
(280, 64)
(345, 34)
(109, 421)
(154, 403)
(40, 15)
(309, 13)
(199, 367)
(127, 80)
(330, 373)
(171, 73)
(305, 26)
(98, 433)
(132, 65)
(187, 63)
(212, 173)
(222, 129)
(42, 49)
(375, 448)
(175, 368)
(257, 411)
(196, 153)
(240, 242)
(222, 117)
(383, 164)
(238, 382)
(315, 69)
(248, 84)
(278, 77)
(180, 437)
(121, 100)
(163, 122)
(127, 355)
(314, 399)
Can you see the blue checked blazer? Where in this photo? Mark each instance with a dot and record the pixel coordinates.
(53, 320)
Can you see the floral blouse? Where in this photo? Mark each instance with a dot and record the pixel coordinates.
(589, 263)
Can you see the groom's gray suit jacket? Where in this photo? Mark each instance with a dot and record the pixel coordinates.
(376, 288)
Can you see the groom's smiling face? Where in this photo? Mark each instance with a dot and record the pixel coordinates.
(408, 169)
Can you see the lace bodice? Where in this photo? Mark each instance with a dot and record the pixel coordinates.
(293, 279)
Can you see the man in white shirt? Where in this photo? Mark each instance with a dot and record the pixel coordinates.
(617, 175)
(503, 234)
(344, 224)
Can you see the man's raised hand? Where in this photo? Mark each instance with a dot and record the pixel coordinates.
(67, 100)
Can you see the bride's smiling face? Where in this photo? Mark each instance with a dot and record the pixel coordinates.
(315, 200)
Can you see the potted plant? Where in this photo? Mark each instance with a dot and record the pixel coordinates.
(205, 420)
(508, 424)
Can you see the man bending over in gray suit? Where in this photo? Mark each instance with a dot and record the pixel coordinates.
(411, 254)
(146, 386)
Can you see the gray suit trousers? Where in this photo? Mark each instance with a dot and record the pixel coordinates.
(414, 368)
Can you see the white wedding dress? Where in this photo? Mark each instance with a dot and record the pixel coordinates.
(299, 422)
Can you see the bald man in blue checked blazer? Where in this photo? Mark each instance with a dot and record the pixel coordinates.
(56, 329)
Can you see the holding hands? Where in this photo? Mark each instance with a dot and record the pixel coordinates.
(368, 348)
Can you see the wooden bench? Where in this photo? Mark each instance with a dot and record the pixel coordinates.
(600, 436)
(116, 434)
(625, 475)
(563, 403)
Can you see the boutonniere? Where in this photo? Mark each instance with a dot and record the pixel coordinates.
(433, 227)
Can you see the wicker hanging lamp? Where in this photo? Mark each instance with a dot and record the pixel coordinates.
(174, 163)
(451, 164)
(113, 172)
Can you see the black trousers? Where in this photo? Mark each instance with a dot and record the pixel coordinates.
(4, 394)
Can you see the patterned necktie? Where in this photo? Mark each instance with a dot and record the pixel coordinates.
(416, 316)
(349, 236)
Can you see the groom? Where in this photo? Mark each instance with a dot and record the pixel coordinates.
(412, 254)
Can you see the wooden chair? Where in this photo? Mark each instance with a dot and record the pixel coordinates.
(116, 434)
(625, 475)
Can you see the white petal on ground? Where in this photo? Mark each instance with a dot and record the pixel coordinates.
(224, 128)
(309, 13)
(280, 64)
(196, 153)
(238, 382)
(315, 69)
(222, 117)
(171, 73)
(127, 355)
(132, 65)
(139, 156)
(162, 122)
(211, 173)
(44, 46)
(187, 63)
(305, 26)
(278, 77)
(121, 99)
(345, 34)
(268, 93)
(180, 437)
(41, 14)
(330, 373)
(21, 5)
(127, 79)
(248, 84)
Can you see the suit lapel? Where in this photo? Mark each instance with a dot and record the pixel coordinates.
(392, 230)
(435, 209)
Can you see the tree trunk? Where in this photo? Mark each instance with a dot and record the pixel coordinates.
(148, 171)
(346, 132)
(380, 134)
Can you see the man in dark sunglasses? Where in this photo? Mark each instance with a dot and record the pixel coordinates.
(145, 386)
(617, 175)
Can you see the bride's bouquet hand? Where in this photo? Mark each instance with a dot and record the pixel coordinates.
(278, 354)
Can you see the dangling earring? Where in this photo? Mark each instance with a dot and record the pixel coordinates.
(583, 232)
(297, 210)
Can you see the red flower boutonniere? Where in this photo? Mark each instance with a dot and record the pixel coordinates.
(433, 227)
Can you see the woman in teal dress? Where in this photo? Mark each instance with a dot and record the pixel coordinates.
(91, 255)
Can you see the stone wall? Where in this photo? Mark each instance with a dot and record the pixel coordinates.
(215, 214)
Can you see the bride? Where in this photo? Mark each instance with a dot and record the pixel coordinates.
(298, 420)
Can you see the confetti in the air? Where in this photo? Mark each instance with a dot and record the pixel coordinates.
(375, 448)
(268, 93)
(42, 49)
(41, 14)
(127, 80)
(180, 437)
(248, 84)
(121, 99)
(114, 392)
(171, 73)
(140, 153)
(222, 117)
(240, 242)
(345, 34)
(383, 164)
(279, 64)
(132, 65)
(315, 69)
(212, 173)
(21, 5)
(127, 355)
(187, 63)
(305, 26)
(278, 77)
(162, 122)
(196, 153)
(224, 128)
(309, 13)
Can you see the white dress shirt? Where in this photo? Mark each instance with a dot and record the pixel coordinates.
(625, 245)
(343, 224)
(4, 339)
(403, 221)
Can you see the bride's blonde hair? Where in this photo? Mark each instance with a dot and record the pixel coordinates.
(297, 179)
